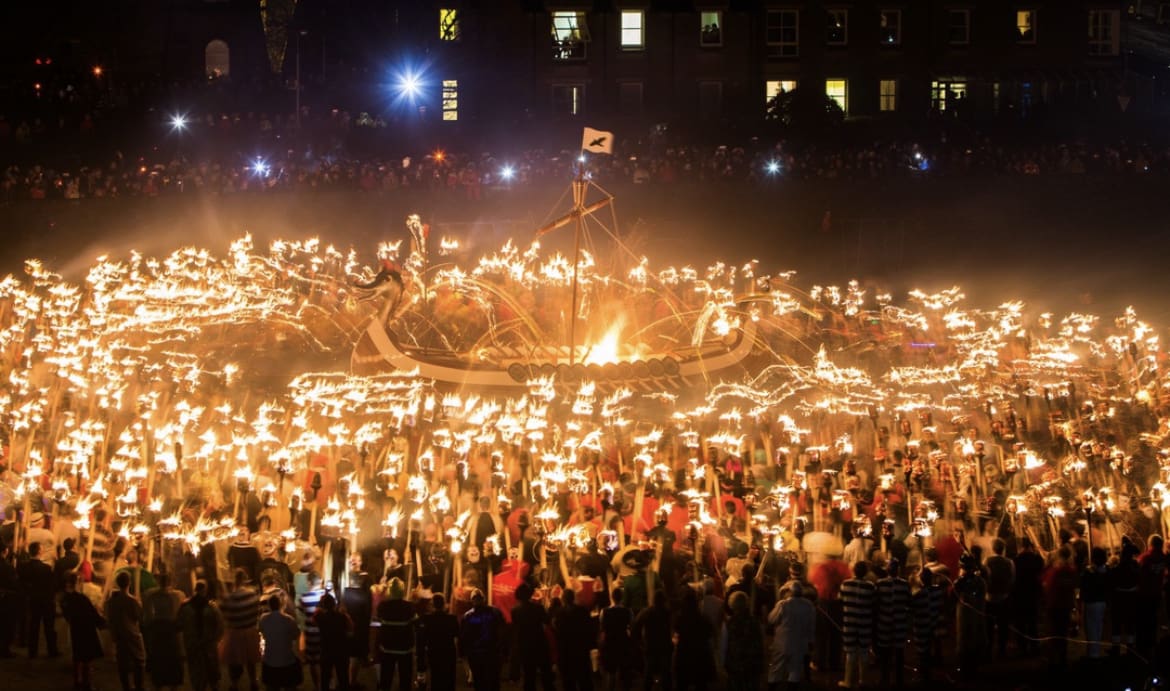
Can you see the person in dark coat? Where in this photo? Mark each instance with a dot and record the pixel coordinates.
(395, 633)
(742, 646)
(335, 627)
(202, 627)
(529, 620)
(617, 644)
(575, 638)
(125, 618)
(160, 626)
(9, 599)
(694, 663)
(84, 621)
(438, 632)
(481, 640)
(1027, 596)
(358, 603)
(68, 561)
(652, 630)
(36, 577)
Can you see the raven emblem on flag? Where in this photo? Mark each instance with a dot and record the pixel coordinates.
(597, 141)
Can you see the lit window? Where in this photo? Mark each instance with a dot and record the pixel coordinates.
(450, 100)
(568, 99)
(632, 33)
(891, 27)
(1104, 32)
(775, 87)
(1026, 26)
(710, 29)
(837, 27)
(448, 24)
(888, 92)
(959, 27)
(783, 33)
(570, 33)
(948, 94)
(838, 90)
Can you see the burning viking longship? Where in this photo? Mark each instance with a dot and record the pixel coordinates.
(504, 323)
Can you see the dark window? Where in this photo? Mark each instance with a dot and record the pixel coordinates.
(837, 27)
(783, 33)
(891, 28)
(568, 99)
(959, 27)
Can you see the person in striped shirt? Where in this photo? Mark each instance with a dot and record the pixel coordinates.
(858, 596)
(893, 623)
(241, 615)
(307, 605)
(926, 607)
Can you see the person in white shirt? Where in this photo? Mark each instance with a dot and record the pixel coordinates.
(37, 532)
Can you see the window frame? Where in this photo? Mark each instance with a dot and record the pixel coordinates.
(966, 14)
(1112, 42)
(1020, 40)
(769, 94)
(641, 44)
(942, 86)
(892, 96)
(897, 43)
(844, 102)
(706, 85)
(449, 100)
(718, 27)
(623, 86)
(830, 13)
(449, 24)
(578, 50)
(226, 53)
(580, 101)
(784, 49)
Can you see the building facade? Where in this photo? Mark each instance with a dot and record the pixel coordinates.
(638, 62)
(712, 60)
(645, 61)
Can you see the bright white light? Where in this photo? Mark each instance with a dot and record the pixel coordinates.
(408, 84)
(259, 167)
(507, 172)
(178, 122)
(773, 167)
(581, 158)
(917, 156)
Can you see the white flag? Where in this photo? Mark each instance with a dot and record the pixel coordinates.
(597, 142)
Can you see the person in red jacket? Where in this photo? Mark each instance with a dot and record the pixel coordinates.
(1060, 597)
(1151, 580)
(827, 578)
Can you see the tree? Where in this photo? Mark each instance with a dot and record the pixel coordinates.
(802, 109)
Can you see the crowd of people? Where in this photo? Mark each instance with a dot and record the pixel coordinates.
(470, 175)
(166, 150)
(717, 606)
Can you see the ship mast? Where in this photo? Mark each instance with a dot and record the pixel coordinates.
(576, 216)
(580, 185)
